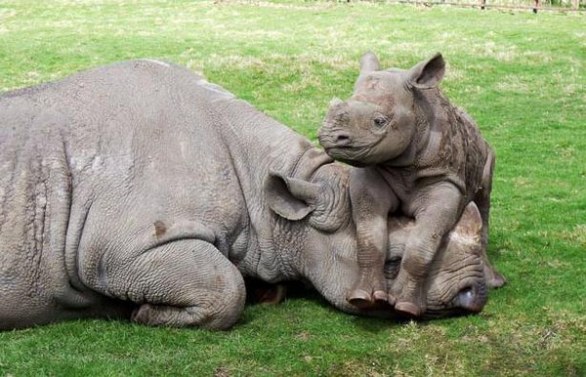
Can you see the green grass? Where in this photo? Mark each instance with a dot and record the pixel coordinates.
(520, 75)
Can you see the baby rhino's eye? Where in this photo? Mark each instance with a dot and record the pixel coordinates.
(380, 121)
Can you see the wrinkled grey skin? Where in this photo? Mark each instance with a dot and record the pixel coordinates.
(423, 157)
(140, 190)
(455, 284)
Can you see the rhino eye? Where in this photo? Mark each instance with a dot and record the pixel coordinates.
(380, 121)
(392, 267)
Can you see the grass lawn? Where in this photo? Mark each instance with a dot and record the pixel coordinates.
(521, 76)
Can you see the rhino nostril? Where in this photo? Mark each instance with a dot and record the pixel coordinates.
(470, 299)
(342, 138)
(466, 294)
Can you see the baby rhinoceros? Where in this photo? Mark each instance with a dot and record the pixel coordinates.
(422, 157)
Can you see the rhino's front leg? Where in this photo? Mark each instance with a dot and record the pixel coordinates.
(180, 283)
(370, 286)
(372, 200)
(436, 209)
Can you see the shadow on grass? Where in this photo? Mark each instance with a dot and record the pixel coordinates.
(373, 322)
(297, 294)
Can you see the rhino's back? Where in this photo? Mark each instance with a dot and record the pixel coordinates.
(98, 158)
(150, 149)
(456, 150)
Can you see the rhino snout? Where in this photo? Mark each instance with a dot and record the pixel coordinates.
(341, 138)
(334, 139)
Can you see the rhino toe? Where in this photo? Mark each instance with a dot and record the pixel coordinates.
(408, 308)
(360, 298)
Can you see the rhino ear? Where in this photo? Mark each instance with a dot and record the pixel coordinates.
(470, 223)
(428, 73)
(290, 198)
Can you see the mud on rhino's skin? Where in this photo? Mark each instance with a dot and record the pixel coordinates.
(141, 190)
(421, 156)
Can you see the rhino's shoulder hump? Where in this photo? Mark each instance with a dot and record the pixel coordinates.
(179, 74)
(215, 89)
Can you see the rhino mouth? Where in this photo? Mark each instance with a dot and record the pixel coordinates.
(347, 154)
(471, 299)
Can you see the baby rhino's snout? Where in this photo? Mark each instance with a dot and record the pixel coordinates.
(341, 138)
(332, 133)
(333, 139)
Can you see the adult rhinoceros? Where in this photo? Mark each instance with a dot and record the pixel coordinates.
(140, 189)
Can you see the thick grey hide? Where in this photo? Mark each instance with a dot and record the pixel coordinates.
(141, 189)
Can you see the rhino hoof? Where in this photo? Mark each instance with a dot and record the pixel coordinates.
(408, 308)
(381, 296)
(360, 298)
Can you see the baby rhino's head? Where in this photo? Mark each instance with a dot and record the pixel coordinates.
(378, 123)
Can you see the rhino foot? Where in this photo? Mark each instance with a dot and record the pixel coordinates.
(367, 294)
(409, 297)
(271, 295)
(360, 298)
(408, 308)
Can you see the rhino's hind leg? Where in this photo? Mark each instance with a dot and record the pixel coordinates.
(182, 283)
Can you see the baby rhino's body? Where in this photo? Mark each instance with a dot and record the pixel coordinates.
(422, 157)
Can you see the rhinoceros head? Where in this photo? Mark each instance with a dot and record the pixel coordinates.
(380, 121)
(456, 283)
(318, 237)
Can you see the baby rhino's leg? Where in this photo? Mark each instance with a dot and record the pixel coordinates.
(436, 211)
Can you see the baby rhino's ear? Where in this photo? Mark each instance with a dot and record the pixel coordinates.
(428, 73)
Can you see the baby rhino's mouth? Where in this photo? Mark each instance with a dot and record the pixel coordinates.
(339, 146)
(346, 155)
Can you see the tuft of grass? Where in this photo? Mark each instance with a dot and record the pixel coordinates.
(520, 75)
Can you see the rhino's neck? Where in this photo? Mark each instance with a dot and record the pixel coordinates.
(283, 243)
(257, 145)
(332, 270)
